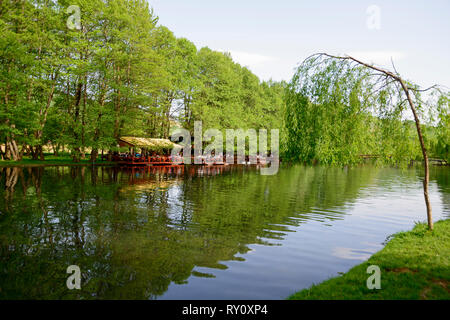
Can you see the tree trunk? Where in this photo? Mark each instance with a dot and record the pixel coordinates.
(419, 131)
(425, 156)
(76, 152)
(14, 150)
(83, 119)
(34, 153)
(55, 149)
(94, 154)
(37, 153)
(41, 153)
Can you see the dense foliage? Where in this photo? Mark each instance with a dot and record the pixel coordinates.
(338, 111)
(119, 74)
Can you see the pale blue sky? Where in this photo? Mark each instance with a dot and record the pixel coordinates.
(271, 37)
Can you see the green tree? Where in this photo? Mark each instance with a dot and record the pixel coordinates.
(336, 106)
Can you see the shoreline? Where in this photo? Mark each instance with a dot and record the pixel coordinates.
(68, 162)
(56, 164)
(414, 265)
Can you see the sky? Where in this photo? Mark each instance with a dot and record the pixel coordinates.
(272, 37)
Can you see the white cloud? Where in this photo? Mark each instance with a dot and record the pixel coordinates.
(378, 57)
(248, 59)
(352, 254)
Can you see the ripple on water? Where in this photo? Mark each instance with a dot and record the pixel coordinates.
(227, 233)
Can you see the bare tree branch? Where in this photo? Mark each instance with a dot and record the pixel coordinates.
(401, 86)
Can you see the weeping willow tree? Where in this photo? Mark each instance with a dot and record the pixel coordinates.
(340, 109)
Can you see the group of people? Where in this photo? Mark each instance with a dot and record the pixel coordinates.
(203, 159)
(145, 157)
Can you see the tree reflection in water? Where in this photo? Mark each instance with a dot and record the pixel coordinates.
(134, 231)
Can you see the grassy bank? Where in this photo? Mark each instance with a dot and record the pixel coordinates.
(51, 160)
(414, 265)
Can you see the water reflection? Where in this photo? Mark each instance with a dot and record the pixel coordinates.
(136, 231)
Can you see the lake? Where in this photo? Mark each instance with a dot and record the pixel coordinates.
(222, 232)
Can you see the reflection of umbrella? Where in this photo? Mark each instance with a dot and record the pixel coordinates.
(152, 144)
(149, 185)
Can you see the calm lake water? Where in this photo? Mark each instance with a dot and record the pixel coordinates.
(199, 233)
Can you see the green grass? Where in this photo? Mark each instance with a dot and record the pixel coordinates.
(51, 160)
(414, 265)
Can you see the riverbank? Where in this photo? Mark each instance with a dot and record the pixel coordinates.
(414, 265)
(51, 160)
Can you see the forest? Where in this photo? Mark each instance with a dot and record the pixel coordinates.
(119, 72)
